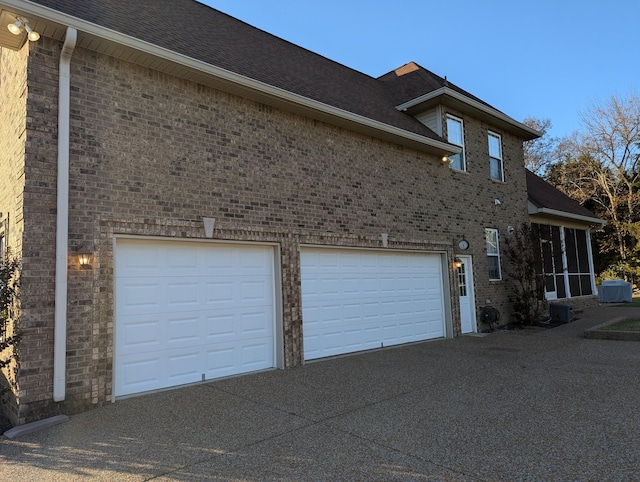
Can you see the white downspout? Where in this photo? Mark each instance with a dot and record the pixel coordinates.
(62, 221)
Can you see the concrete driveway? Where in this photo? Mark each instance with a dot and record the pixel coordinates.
(533, 404)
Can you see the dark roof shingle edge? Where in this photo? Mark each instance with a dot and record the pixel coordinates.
(228, 43)
(544, 196)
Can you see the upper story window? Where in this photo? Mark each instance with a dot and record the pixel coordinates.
(455, 135)
(493, 254)
(495, 157)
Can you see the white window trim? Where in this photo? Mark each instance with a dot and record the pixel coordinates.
(462, 153)
(495, 255)
(495, 134)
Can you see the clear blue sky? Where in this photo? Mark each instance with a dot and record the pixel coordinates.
(543, 58)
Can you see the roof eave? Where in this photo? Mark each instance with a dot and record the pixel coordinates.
(53, 23)
(563, 214)
(453, 98)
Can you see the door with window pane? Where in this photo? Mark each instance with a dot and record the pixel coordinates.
(465, 292)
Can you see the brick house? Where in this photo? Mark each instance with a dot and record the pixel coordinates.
(245, 204)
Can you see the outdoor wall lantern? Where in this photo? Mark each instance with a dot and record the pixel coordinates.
(20, 25)
(457, 263)
(84, 256)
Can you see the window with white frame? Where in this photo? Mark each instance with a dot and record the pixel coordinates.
(455, 135)
(493, 254)
(495, 156)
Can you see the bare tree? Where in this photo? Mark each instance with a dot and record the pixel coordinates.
(612, 138)
(600, 166)
(540, 153)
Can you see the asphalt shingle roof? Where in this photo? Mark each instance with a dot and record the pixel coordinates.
(203, 33)
(412, 80)
(544, 195)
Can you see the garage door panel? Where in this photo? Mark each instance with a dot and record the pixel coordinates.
(255, 324)
(138, 261)
(224, 358)
(254, 290)
(186, 309)
(140, 374)
(356, 300)
(183, 367)
(158, 370)
(219, 294)
(254, 353)
(219, 327)
(219, 261)
(183, 330)
(141, 333)
(183, 260)
(182, 294)
(252, 261)
(140, 296)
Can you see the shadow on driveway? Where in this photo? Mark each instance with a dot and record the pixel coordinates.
(532, 404)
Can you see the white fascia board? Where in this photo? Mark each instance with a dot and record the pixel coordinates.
(564, 214)
(388, 132)
(446, 91)
(423, 98)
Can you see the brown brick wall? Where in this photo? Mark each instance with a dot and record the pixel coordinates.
(152, 154)
(478, 193)
(13, 115)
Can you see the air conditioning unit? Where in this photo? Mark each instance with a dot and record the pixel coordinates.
(561, 313)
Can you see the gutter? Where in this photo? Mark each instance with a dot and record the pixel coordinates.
(261, 91)
(564, 214)
(474, 104)
(62, 221)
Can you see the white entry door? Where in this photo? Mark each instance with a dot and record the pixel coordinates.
(190, 311)
(465, 292)
(357, 299)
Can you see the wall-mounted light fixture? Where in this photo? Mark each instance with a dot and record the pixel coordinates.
(20, 25)
(457, 263)
(445, 159)
(84, 256)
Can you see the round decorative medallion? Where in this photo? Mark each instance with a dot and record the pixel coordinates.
(463, 245)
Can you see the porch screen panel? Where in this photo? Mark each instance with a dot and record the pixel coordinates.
(572, 252)
(578, 262)
(583, 253)
(557, 261)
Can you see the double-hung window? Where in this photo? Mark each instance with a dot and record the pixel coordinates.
(495, 156)
(455, 135)
(493, 254)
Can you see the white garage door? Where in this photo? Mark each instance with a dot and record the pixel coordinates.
(188, 311)
(355, 300)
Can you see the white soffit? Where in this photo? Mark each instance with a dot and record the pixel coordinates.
(465, 103)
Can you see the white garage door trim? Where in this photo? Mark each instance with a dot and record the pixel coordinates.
(187, 311)
(360, 299)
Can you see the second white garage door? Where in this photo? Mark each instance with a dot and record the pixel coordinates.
(354, 300)
(191, 311)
